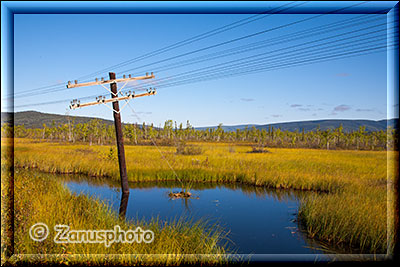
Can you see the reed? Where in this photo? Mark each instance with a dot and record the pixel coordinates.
(351, 222)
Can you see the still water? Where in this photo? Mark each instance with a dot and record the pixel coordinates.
(258, 221)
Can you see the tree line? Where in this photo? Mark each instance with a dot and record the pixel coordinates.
(95, 132)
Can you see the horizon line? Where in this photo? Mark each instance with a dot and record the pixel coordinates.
(232, 125)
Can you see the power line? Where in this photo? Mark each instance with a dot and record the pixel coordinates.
(193, 39)
(58, 101)
(298, 63)
(234, 66)
(238, 39)
(277, 67)
(246, 48)
(226, 74)
(258, 45)
(210, 68)
(178, 44)
(248, 36)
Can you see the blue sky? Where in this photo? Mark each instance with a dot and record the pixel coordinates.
(51, 49)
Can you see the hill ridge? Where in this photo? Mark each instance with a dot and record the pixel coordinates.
(35, 119)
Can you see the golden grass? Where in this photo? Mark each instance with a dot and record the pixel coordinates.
(41, 199)
(305, 169)
(353, 212)
(355, 220)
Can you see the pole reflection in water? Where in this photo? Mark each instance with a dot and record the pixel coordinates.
(124, 204)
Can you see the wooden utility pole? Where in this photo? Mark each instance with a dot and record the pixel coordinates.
(120, 138)
(117, 119)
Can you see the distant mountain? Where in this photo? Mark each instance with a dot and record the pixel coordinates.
(348, 125)
(34, 119)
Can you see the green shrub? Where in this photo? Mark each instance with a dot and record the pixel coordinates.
(183, 149)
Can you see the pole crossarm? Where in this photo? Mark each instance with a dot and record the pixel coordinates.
(101, 82)
(75, 104)
(117, 116)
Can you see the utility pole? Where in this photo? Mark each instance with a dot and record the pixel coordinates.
(117, 118)
(120, 138)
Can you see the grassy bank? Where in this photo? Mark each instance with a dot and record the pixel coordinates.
(352, 222)
(353, 211)
(40, 199)
(304, 169)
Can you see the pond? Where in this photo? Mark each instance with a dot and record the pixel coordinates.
(258, 221)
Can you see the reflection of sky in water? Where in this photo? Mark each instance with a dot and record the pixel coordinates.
(257, 223)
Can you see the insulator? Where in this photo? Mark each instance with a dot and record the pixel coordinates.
(102, 79)
(76, 81)
(69, 82)
(151, 74)
(124, 76)
(147, 74)
(130, 76)
(97, 80)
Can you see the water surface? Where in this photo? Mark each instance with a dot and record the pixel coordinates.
(258, 221)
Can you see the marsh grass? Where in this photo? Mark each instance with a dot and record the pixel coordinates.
(356, 220)
(303, 169)
(351, 211)
(40, 199)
